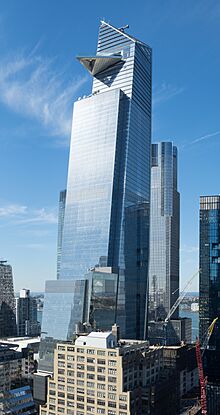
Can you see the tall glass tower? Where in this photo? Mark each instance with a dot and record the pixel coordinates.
(164, 232)
(108, 188)
(7, 301)
(209, 283)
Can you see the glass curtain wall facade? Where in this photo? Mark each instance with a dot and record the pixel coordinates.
(164, 232)
(62, 203)
(7, 301)
(209, 282)
(108, 188)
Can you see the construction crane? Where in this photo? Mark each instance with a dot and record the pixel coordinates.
(181, 297)
(199, 355)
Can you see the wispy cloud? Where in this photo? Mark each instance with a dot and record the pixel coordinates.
(21, 215)
(30, 86)
(165, 92)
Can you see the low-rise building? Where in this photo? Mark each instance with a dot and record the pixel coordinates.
(15, 392)
(100, 375)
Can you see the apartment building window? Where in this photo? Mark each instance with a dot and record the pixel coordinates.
(80, 398)
(61, 371)
(101, 369)
(70, 349)
(61, 402)
(80, 358)
(61, 348)
(90, 384)
(70, 388)
(112, 388)
(61, 394)
(90, 392)
(79, 350)
(101, 395)
(70, 372)
(60, 379)
(112, 371)
(61, 356)
(70, 396)
(111, 379)
(112, 396)
(122, 398)
(90, 400)
(80, 382)
(80, 374)
(91, 351)
(91, 368)
(101, 352)
(80, 390)
(70, 412)
(71, 358)
(69, 380)
(100, 411)
(122, 406)
(101, 362)
(62, 410)
(100, 386)
(90, 360)
(90, 376)
(81, 367)
(70, 366)
(112, 362)
(113, 354)
(101, 378)
(99, 402)
(112, 404)
(53, 393)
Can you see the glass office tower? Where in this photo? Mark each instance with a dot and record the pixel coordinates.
(7, 301)
(164, 232)
(108, 188)
(209, 283)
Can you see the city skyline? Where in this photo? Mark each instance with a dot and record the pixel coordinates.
(28, 212)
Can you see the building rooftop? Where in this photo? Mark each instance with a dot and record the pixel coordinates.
(97, 339)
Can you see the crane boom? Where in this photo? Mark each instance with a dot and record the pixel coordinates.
(201, 379)
(181, 297)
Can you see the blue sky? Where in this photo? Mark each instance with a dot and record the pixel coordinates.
(39, 81)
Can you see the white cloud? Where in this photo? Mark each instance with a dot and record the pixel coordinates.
(31, 87)
(20, 214)
(165, 92)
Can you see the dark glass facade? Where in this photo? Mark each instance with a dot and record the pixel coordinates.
(209, 283)
(7, 301)
(164, 232)
(108, 189)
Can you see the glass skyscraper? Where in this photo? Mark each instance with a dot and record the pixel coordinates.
(209, 283)
(7, 301)
(164, 232)
(108, 188)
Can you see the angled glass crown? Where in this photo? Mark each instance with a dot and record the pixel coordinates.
(98, 63)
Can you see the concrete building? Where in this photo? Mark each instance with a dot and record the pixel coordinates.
(26, 315)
